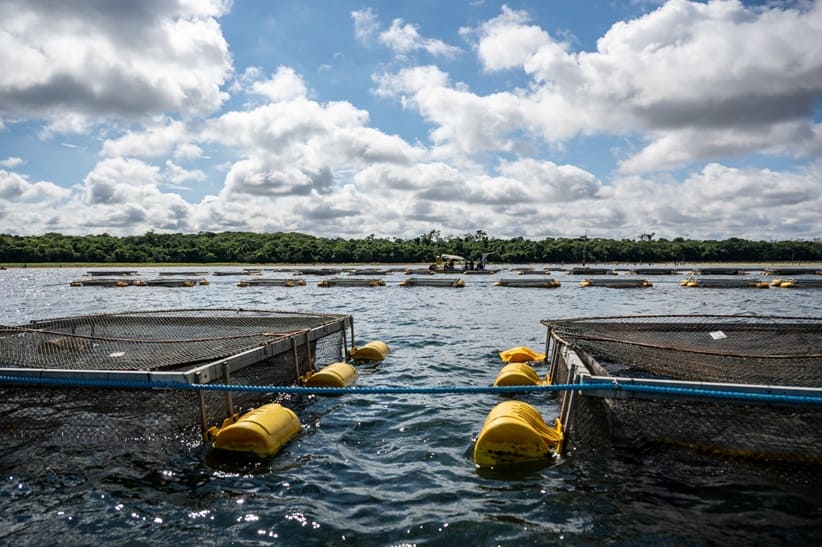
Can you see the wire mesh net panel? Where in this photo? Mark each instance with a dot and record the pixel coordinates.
(705, 348)
(151, 340)
(155, 342)
(774, 351)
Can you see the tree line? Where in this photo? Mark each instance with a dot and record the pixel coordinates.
(292, 247)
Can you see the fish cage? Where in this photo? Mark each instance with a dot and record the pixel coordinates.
(271, 282)
(615, 283)
(105, 282)
(653, 271)
(428, 282)
(797, 283)
(720, 283)
(585, 270)
(547, 283)
(135, 374)
(742, 386)
(351, 282)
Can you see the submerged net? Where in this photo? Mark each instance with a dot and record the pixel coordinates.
(704, 348)
(775, 351)
(154, 342)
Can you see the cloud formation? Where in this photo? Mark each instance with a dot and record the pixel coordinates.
(688, 99)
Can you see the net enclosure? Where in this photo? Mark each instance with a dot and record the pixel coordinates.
(159, 353)
(733, 384)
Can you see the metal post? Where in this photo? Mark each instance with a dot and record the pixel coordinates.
(228, 399)
(296, 358)
(203, 414)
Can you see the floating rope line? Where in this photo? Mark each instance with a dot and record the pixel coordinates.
(439, 390)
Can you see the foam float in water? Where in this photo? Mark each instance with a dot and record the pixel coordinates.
(521, 354)
(515, 433)
(334, 375)
(372, 351)
(262, 431)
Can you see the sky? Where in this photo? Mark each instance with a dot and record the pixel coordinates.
(533, 118)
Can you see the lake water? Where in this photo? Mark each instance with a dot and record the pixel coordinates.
(396, 469)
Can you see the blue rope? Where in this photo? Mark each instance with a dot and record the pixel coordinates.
(387, 390)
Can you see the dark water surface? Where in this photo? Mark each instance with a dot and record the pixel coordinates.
(389, 469)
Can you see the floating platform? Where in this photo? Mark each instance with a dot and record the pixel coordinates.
(692, 383)
(583, 270)
(531, 271)
(717, 271)
(432, 282)
(103, 273)
(711, 283)
(316, 271)
(146, 354)
(171, 282)
(271, 282)
(477, 272)
(355, 282)
(548, 283)
(104, 282)
(797, 283)
(792, 271)
(653, 271)
(616, 283)
(419, 271)
(368, 271)
(182, 274)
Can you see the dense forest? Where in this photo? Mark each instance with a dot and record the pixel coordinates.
(283, 248)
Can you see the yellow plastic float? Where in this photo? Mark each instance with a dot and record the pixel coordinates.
(334, 375)
(519, 374)
(521, 354)
(515, 433)
(372, 351)
(262, 431)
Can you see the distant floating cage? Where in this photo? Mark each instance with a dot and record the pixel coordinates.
(181, 274)
(792, 271)
(584, 270)
(171, 282)
(72, 361)
(797, 283)
(479, 272)
(316, 271)
(711, 283)
(532, 271)
(368, 271)
(419, 271)
(271, 282)
(109, 273)
(717, 271)
(616, 283)
(691, 382)
(104, 282)
(548, 283)
(432, 282)
(653, 271)
(349, 282)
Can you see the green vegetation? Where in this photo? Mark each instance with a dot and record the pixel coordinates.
(251, 248)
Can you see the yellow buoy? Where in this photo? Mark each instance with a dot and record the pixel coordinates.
(515, 433)
(521, 354)
(262, 432)
(372, 351)
(787, 284)
(334, 375)
(519, 374)
(585, 283)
